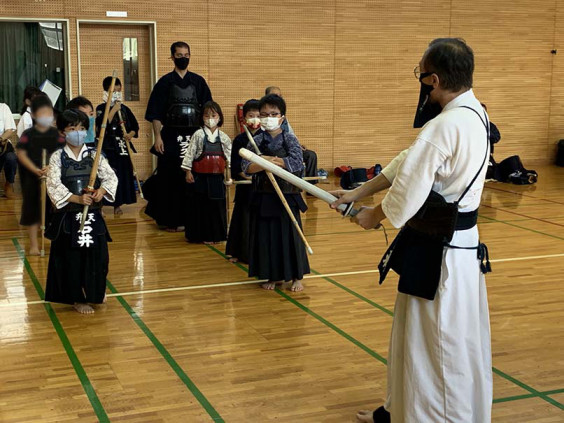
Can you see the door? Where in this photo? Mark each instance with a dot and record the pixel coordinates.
(108, 47)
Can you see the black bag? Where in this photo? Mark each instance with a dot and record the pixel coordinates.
(512, 170)
(353, 178)
(560, 153)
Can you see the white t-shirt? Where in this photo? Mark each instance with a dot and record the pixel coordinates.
(25, 122)
(6, 119)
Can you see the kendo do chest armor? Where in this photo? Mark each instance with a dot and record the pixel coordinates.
(76, 175)
(261, 183)
(212, 160)
(183, 109)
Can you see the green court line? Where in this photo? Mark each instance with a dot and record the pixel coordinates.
(168, 357)
(79, 370)
(313, 314)
(333, 327)
(525, 396)
(522, 385)
(533, 392)
(528, 388)
(354, 293)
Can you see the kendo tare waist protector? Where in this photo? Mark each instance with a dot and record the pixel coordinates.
(416, 254)
(212, 160)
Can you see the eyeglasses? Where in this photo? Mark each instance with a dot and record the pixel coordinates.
(273, 114)
(420, 75)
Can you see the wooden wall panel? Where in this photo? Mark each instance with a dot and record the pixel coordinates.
(346, 68)
(288, 44)
(378, 45)
(556, 128)
(98, 63)
(512, 42)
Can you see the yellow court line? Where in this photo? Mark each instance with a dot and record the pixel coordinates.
(255, 281)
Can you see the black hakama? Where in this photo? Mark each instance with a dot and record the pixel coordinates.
(76, 274)
(115, 150)
(285, 259)
(126, 192)
(165, 190)
(239, 227)
(207, 216)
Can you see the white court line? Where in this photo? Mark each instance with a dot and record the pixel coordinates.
(219, 285)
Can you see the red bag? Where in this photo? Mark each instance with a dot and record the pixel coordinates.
(339, 171)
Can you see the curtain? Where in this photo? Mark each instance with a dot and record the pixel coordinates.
(27, 59)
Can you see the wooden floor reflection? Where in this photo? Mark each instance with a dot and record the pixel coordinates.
(193, 339)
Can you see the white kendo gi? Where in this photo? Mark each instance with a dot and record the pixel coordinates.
(439, 361)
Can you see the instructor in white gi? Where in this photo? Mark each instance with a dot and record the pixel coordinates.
(439, 361)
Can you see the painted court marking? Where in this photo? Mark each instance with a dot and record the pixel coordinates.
(255, 281)
(379, 357)
(76, 364)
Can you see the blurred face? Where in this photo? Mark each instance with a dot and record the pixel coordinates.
(43, 117)
(88, 110)
(117, 88)
(43, 112)
(276, 91)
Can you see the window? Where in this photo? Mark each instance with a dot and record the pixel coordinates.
(130, 69)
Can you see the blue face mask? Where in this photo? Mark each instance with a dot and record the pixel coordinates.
(90, 137)
(76, 138)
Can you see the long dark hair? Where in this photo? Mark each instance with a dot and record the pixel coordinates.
(29, 92)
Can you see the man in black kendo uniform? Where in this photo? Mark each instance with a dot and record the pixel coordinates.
(174, 110)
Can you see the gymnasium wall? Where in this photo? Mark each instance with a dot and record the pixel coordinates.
(345, 67)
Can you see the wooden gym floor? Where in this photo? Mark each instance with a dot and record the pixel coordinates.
(187, 337)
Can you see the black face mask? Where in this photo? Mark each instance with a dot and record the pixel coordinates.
(425, 109)
(181, 62)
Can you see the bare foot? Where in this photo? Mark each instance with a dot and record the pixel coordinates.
(180, 229)
(105, 299)
(209, 243)
(118, 211)
(233, 260)
(170, 229)
(83, 308)
(34, 252)
(365, 416)
(297, 286)
(269, 286)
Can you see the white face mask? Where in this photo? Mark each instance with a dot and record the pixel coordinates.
(211, 123)
(253, 123)
(116, 96)
(270, 123)
(45, 121)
